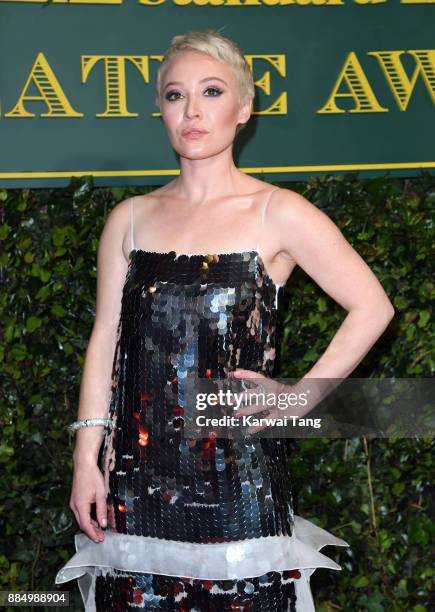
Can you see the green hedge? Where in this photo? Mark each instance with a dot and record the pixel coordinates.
(373, 493)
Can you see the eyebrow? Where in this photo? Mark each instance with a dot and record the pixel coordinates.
(201, 81)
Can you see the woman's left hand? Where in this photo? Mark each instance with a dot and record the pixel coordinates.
(269, 390)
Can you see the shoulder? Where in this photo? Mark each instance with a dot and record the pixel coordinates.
(286, 203)
(119, 212)
(287, 206)
(297, 222)
(115, 227)
(148, 201)
(122, 208)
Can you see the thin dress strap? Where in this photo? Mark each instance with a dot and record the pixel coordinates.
(260, 232)
(263, 214)
(133, 248)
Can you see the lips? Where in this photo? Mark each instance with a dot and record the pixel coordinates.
(193, 132)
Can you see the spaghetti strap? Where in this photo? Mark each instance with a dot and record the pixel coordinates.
(133, 248)
(263, 214)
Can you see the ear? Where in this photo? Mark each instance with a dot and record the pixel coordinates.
(245, 110)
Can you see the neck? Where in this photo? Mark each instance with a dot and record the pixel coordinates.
(203, 180)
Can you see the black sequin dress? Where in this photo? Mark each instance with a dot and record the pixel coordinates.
(194, 524)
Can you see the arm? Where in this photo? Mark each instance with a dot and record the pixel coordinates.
(96, 380)
(316, 244)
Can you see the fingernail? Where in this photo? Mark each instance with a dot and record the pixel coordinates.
(103, 522)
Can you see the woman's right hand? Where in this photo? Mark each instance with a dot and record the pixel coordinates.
(88, 488)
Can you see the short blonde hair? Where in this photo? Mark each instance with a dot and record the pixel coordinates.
(222, 49)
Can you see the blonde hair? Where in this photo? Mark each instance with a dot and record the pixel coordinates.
(222, 49)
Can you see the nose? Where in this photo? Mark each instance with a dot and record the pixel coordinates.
(192, 108)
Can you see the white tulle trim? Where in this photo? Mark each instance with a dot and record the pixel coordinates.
(221, 561)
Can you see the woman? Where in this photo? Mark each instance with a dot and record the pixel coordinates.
(188, 281)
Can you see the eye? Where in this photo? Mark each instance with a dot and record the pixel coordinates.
(216, 92)
(215, 89)
(169, 94)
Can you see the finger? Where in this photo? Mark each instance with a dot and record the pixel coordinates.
(85, 521)
(241, 373)
(271, 417)
(101, 510)
(76, 514)
(245, 371)
(98, 529)
(248, 409)
(250, 394)
(227, 398)
(92, 531)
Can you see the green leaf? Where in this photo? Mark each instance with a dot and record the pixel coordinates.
(33, 323)
(6, 452)
(58, 311)
(360, 581)
(321, 304)
(4, 231)
(398, 487)
(424, 318)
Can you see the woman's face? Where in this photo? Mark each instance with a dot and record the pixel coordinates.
(200, 92)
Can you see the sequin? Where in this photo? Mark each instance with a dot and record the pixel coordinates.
(183, 317)
(116, 590)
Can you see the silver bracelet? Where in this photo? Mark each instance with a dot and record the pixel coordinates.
(89, 423)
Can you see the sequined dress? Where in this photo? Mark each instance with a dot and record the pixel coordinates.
(194, 524)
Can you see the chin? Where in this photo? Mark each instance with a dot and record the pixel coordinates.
(203, 152)
(193, 156)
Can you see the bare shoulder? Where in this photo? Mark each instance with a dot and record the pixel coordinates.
(297, 222)
(112, 239)
(289, 204)
(117, 219)
(117, 225)
(151, 199)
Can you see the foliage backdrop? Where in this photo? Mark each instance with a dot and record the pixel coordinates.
(373, 493)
